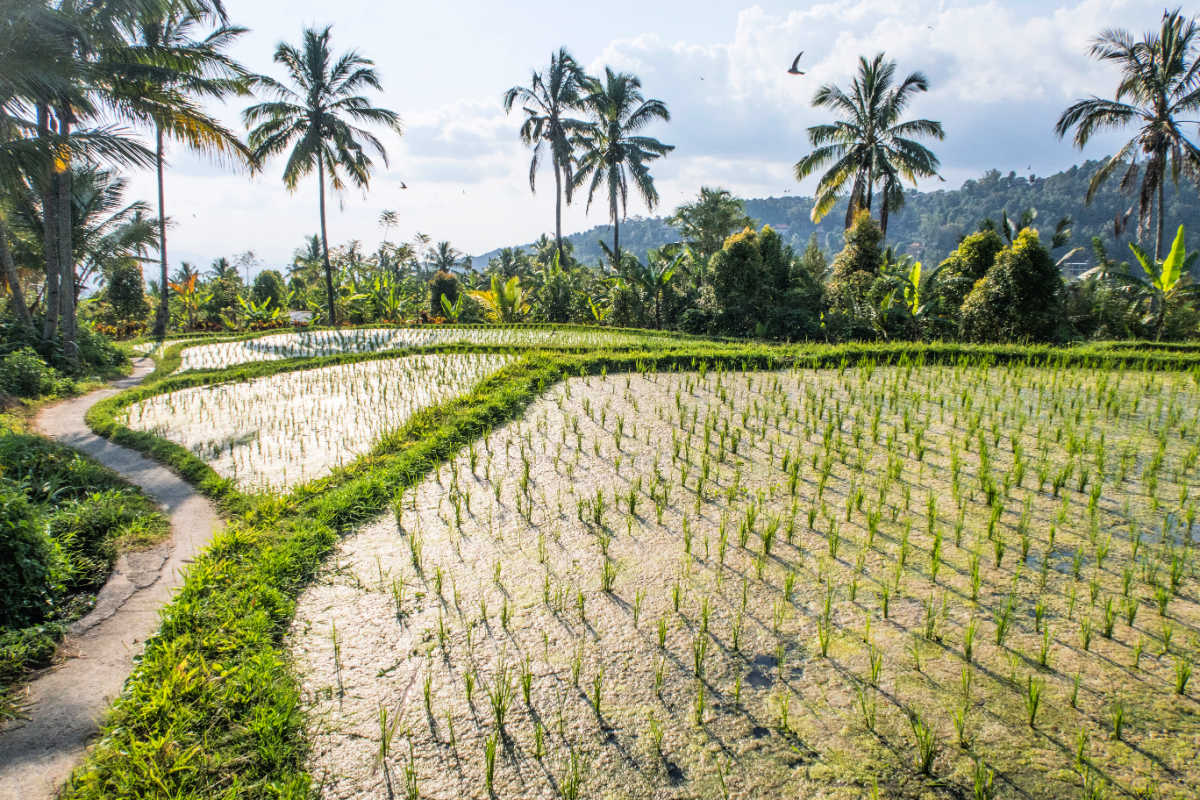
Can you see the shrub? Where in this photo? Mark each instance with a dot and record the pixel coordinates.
(1019, 299)
(23, 373)
(87, 529)
(855, 269)
(959, 272)
(30, 563)
(757, 289)
(442, 283)
(97, 352)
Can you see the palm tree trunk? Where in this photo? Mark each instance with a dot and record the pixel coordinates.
(1158, 239)
(883, 215)
(49, 234)
(161, 318)
(13, 280)
(558, 214)
(68, 324)
(325, 242)
(612, 209)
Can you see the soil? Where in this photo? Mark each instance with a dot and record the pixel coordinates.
(494, 568)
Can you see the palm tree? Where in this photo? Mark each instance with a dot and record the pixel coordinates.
(311, 117)
(169, 68)
(548, 96)
(871, 144)
(611, 153)
(63, 79)
(445, 257)
(1160, 80)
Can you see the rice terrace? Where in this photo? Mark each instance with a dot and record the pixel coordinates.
(872, 486)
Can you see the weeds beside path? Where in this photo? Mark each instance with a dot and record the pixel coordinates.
(66, 703)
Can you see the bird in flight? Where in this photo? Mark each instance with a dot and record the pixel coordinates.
(795, 70)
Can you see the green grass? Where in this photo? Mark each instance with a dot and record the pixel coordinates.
(212, 708)
(88, 515)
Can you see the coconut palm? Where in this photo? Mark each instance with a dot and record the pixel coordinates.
(1160, 80)
(872, 143)
(57, 79)
(446, 257)
(610, 151)
(549, 96)
(318, 118)
(170, 66)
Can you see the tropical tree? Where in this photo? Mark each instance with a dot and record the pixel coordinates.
(872, 144)
(1160, 82)
(446, 257)
(611, 152)
(55, 80)
(706, 222)
(169, 67)
(550, 95)
(318, 117)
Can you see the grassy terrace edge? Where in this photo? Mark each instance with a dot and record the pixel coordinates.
(172, 357)
(212, 709)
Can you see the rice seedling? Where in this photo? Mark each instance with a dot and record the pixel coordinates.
(1034, 687)
(1183, 673)
(926, 743)
(728, 569)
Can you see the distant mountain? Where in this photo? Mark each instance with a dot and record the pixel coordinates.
(931, 224)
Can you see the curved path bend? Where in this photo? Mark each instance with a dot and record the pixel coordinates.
(66, 703)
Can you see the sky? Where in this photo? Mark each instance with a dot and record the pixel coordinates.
(1000, 73)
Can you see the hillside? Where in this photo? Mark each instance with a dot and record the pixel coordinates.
(931, 223)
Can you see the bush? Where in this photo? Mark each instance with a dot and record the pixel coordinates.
(855, 269)
(23, 373)
(442, 283)
(30, 563)
(87, 530)
(1019, 299)
(958, 274)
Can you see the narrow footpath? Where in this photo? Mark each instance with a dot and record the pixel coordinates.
(67, 702)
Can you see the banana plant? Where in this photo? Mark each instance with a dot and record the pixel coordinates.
(1160, 281)
(453, 310)
(600, 310)
(907, 284)
(257, 315)
(389, 299)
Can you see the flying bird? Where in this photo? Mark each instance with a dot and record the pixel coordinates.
(795, 70)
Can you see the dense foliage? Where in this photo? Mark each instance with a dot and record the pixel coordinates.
(62, 519)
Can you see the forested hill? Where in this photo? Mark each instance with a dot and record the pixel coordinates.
(931, 223)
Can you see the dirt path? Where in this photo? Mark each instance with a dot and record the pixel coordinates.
(67, 702)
